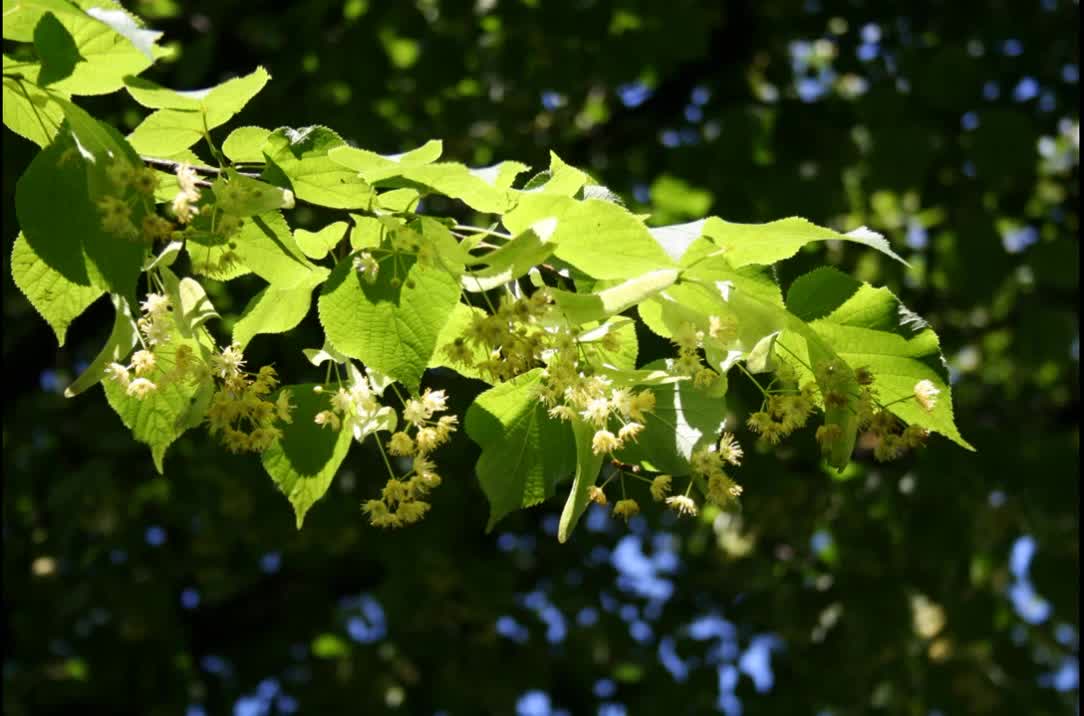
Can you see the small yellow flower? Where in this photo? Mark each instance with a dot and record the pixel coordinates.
(926, 394)
(915, 436)
(412, 511)
(626, 509)
(660, 487)
(596, 411)
(730, 450)
(562, 412)
(621, 399)
(283, 407)
(328, 418)
(428, 440)
(119, 373)
(434, 401)
(644, 402)
(682, 505)
(414, 412)
(629, 431)
(142, 362)
(401, 444)
(595, 494)
(155, 304)
(141, 388)
(721, 489)
(604, 442)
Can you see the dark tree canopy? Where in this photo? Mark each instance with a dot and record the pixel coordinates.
(946, 582)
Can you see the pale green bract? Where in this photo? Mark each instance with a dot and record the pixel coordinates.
(524, 275)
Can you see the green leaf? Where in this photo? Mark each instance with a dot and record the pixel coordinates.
(191, 307)
(22, 16)
(454, 327)
(459, 182)
(129, 27)
(869, 327)
(514, 259)
(214, 255)
(29, 112)
(317, 244)
(276, 310)
(185, 115)
(265, 245)
(56, 48)
(501, 175)
(244, 196)
(306, 458)
(57, 299)
(588, 465)
(367, 233)
(298, 158)
(122, 339)
(685, 418)
(778, 240)
(620, 330)
(391, 325)
(476, 188)
(87, 53)
(563, 179)
(677, 238)
(72, 242)
(580, 308)
(524, 452)
(245, 144)
(591, 233)
(374, 167)
(166, 413)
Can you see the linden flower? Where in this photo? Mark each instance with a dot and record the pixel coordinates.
(186, 180)
(141, 388)
(367, 266)
(429, 439)
(596, 411)
(705, 462)
(326, 417)
(644, 402)
(626, 509)
(660, 486)
(283, 407)
(119, 373)
(622, 401)
(142, 362)
(414, 412)
(926, 394)
(721, 489)
(629, 431)
(595, 494)
(730, 450)
(682, 505)
(155, 304)
(434, 401)
(229, 362)
(604, 442)
(401, 444)
(562, 412)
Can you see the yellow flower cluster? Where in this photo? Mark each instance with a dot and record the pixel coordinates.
(596, 402)
(240, 410)
(116, 209)
(156, 324)
(184, 202)
(782, 414)
(401, 503)
(512, 338)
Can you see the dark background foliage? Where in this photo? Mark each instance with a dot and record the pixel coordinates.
(944, 583)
